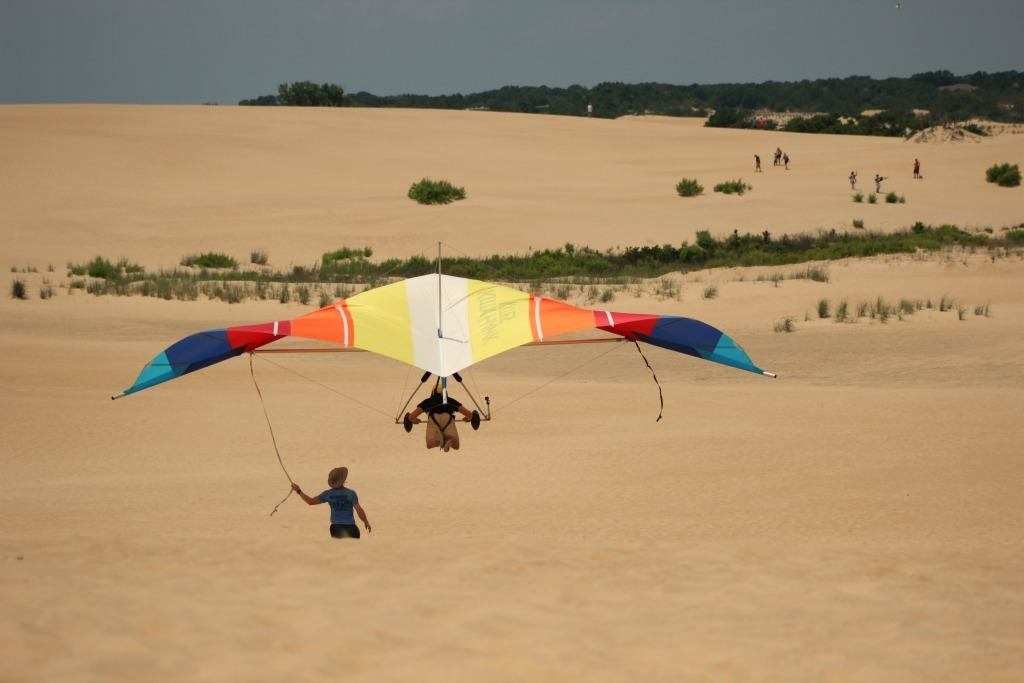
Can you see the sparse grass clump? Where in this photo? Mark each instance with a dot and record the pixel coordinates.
(18, 290)
(689, 187)
(302, 292)
(945, 303)
(858, 223)
(209, 259)
(428, 191)
(608, 294)
(668, 289)
(842, 311)
(710, 292)
(858, 197)
(285, 295)
(785, 325)
(1004, 175)
(258, 257)
(982, 310)
(961, 312)
(325, 299)
(733, 187)
(872, 198)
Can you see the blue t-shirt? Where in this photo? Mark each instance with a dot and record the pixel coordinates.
(341, 502)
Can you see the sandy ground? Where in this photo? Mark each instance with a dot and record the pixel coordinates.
(858, 519)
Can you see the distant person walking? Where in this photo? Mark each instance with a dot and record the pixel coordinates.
(917, 169)
(757, 163)
(785, 160)
(590, 109)
(778, 156)
(878, 182)
(853, 180)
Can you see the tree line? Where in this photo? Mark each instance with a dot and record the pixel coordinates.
(995, 96)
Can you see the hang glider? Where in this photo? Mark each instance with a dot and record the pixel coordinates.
(442, 324)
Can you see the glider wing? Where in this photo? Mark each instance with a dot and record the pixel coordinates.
(443, 324)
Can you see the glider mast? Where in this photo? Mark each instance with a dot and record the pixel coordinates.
(440, 331)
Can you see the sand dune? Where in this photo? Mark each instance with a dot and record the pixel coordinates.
(857, 519)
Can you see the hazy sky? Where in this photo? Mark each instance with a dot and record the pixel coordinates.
(223, 50)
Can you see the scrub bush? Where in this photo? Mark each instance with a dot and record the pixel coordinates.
(689, 187)
(429, 191)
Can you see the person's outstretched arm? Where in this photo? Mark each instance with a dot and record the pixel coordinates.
(310, 500)
(466, 413)
(362, 515)
(414, 416)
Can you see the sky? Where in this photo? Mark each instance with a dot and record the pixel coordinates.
(191, 51)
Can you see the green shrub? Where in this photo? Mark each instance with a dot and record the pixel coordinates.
(325, 299)
(346, 254)
(976, 129)
(429, 191)
(945, 303)
(259, 257)
(1004, 175)
(285, 295)
(18, 290)
(823, 311)
(209, 260)
(858, 223)
(607, 295)
(689, 187)
(102, 268)
(858, 198)
(982, 310)
(302, 292)
(892, 198)
(872, 199)
(733, 187)
(710, 292)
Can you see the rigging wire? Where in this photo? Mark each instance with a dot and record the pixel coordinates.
(328, 388)
(558, 377)
(273, 438)
(661, 397)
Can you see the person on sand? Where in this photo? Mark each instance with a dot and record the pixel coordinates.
(853, 180)
(441, 430)
(757, 163)
(785, 160)
(778, 156)
(878, 182)
(342, 501)
(917, 169)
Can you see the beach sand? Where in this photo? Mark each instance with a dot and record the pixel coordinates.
(857, 519)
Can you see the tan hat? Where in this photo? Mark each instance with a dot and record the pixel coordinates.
(336, 479)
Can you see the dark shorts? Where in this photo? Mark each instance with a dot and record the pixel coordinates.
(344, 531)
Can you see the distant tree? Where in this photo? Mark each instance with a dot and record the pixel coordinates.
(309, 94)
